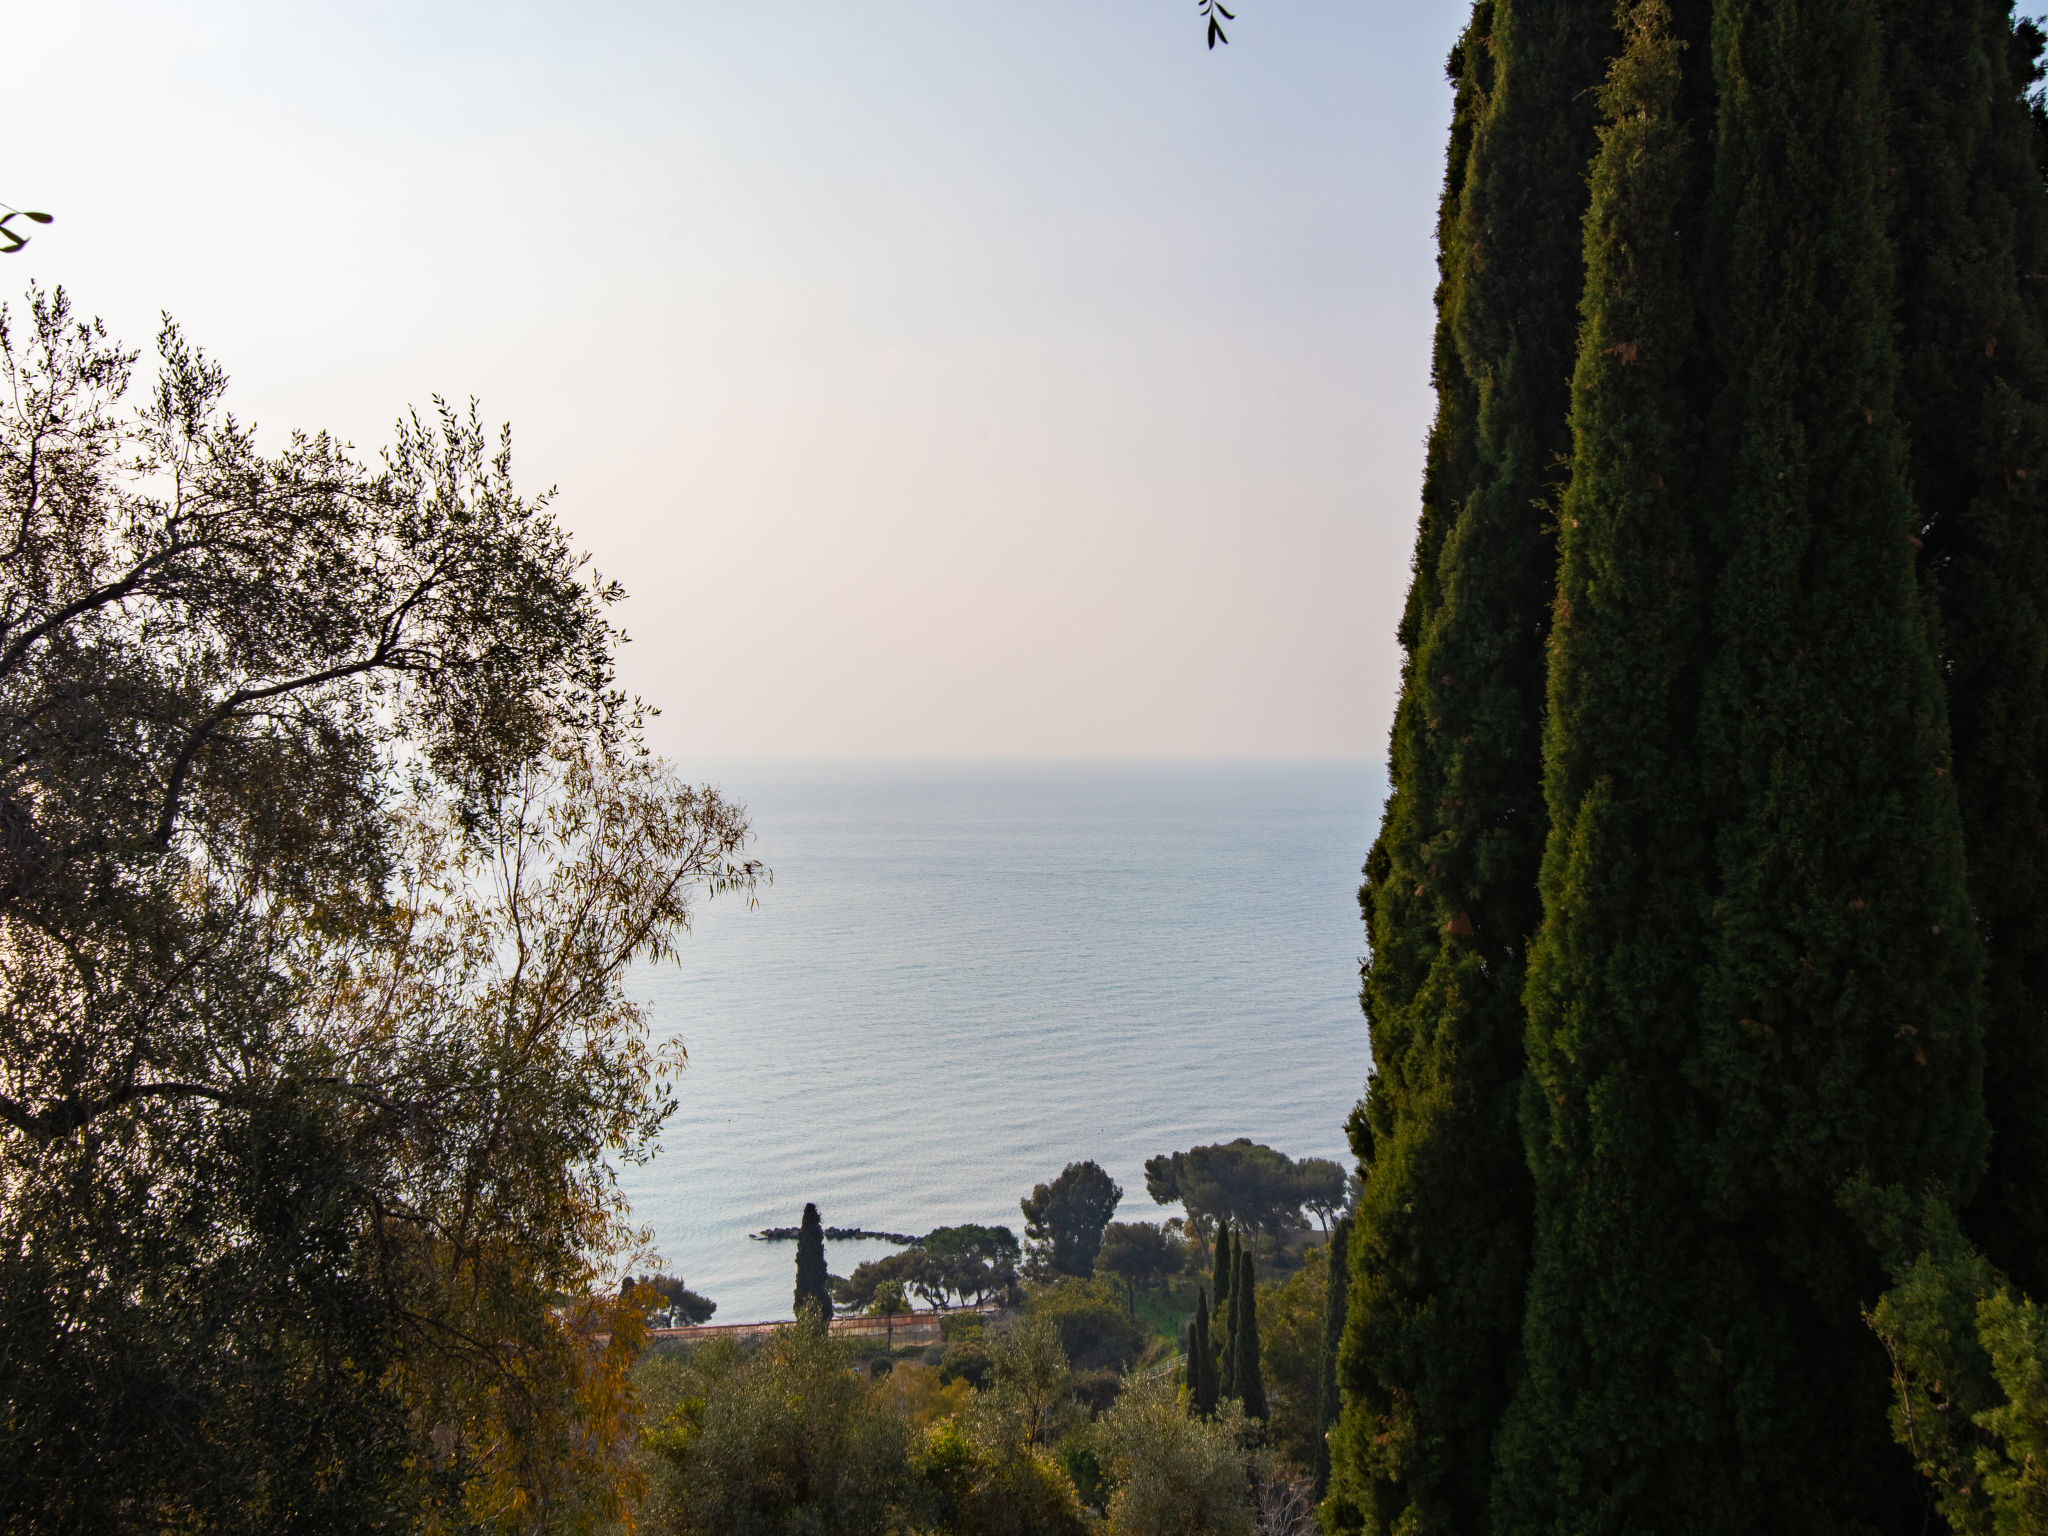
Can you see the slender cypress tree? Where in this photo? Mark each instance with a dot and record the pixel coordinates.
(1440, 1250)
(1222, 1278)
(1233, 1338)
(1597, 1428)
(1244, 1338)
(1337, 1284)
(1756, 988)
(1839, 1038)
(1754, 991)
(1201, 1361)
(1968, 231)
(813, 1282)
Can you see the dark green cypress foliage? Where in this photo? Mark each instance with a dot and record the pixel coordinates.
(1226, 1341)
(1224, 1268)
(1222, 1278)
(1602, 1434)
(1968, 211)
(1337, 1286)
(1233, 1338)
(1201, 1361)
(1244, 1338)
(1838, 1035)
(1440, 1251)
(813, 1281)
(1715, 1070)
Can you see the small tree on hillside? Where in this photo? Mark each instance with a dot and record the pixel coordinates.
(889, 1300)
(779, 1438)
(1064, 1220)
(1201, 1360)
(1175, 1476)
(915, 1271)
(1249, 1379)
(688, 1307)
(1335, 1298)
(1324, 1187)
(1094, 1329)
(1223, 1280)
(1028, 1399)
(973, 1261)
(1137, 1253)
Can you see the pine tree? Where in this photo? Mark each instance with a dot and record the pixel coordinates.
(1753, 994)
(1968, 230)
(1336, 1253)
(813, 1282)
(1440, 1249)
(1201, 1361)
(1244, 1338)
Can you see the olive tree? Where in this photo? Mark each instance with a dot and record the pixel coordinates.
(326, 842)
(1175, 1475)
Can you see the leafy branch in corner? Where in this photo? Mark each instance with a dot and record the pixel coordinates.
(1211, 9)
(16, 241)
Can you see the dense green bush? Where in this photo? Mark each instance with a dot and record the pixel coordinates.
(790, 1438)
(782, 1439)
(1969, 1363)
(1096, 1331)
(1175, 1475)
(965, 1353)
(968, 1487)
(1291, 1332)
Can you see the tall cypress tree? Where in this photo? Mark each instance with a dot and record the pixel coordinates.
(1222, 1277)
(1224, 1267)
(1449, 899)
(1968, 231)
(1336, 1287)
(1839, 1036)
(813, 1281)
(1602, 1426)
(1756, 989)
(1754, 992)
(1226, 1348)
(1201, 1361)
(1244, 1337)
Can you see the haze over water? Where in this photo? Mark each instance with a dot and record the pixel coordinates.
(966, 976)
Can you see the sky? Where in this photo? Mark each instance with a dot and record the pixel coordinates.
(941, 379)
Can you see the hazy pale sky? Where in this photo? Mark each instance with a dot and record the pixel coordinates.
(941, 378)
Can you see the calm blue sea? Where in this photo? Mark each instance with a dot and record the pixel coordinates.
(965, 977)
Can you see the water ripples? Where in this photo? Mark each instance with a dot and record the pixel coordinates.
(965, 977)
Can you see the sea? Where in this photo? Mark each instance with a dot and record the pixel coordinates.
(965, 976)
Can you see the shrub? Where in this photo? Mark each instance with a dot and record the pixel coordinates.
(1291, 1329)
(784, 1439)
(1094, 1329)
(965, 1360)
(967, 1487)
(1174, 1475)
(921, 1395)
